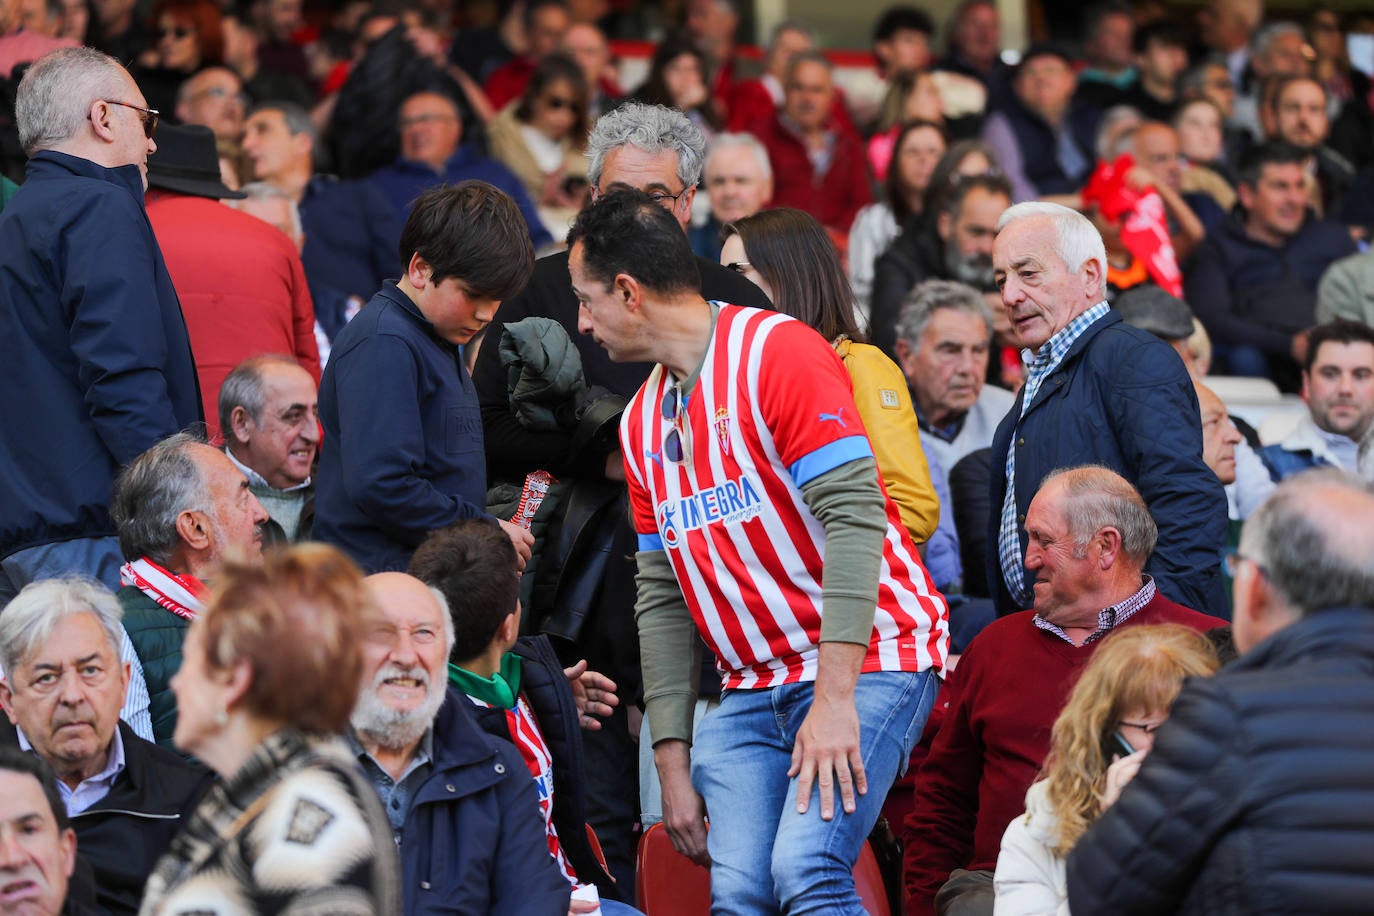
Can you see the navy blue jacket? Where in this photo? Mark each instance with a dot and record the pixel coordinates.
(1259, 794)
(404, 180)
(1039, 148)
(95, 362)
(352, 236)
(1230, 269)
(1121, 398)
(546, 688)
(473, 842)
(402, 451)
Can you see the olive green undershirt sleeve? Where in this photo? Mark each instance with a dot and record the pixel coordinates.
(669, 651)
(848, 501)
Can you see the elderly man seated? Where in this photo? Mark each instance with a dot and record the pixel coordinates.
(181, 507)
(126, 797)
(1089, 537)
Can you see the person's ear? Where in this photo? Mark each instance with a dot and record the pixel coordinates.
(1093, 278)
(239, 424)
(237, 680)
(7, 697)
(66, 842)
(418, 271)
(1108, 544)
(627, 288)
(102, 120)
(193, 527)
(943, 226)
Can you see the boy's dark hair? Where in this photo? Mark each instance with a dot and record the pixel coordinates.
(627, 233)
(473, 564)
(896, 19)
(1342, 331)
(1161, 31)
(474, 233)
(1272, 152)
(13, 760)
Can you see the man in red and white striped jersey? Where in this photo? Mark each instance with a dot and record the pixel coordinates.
(763, 522)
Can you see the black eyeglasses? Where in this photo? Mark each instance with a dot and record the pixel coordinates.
(658, 197)
(671, 409)
(148, 116)
(1146, 728)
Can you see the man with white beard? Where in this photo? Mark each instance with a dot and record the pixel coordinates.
(462, 806)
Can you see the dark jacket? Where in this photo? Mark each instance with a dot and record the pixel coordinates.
(1246, 292)
(402, 448)
(473, 842)
(124, 834)
(1259, 794)
(1121, 398)
(913, 257)
(93, 348)
(546, 688)
(352, 234)
(157, 635)
(1039, 148)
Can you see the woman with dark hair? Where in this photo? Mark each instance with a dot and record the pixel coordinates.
(677, 79)
(188, 36)
(270, 674)
(918, 148)
(542, 138)
(789, 256)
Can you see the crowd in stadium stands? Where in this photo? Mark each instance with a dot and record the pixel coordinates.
(439, 475)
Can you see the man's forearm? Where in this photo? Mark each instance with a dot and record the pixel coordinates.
(849, 503)
(668, 649)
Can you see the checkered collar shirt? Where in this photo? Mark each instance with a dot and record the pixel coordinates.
(1109, 617)
(1039, 366)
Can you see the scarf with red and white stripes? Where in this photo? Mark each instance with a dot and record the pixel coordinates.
(184, 596)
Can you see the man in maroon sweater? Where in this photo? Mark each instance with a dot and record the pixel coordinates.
(1089, 537)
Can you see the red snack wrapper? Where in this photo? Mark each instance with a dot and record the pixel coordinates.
(531, 496)
(1144, 225)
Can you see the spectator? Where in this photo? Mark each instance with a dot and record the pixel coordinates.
(1279, 49)
(277, 24)
(1253, 282)
(541, 138)
(268, 409)
(586, 44)
(260, 84)
(901, 40)
(677, 79)
(785, 253)
(1338, 386)
(213, 97)
(468, 839)
(952, 242)
(1161, 55)
(1162, 314)
(1225, 28)
(714, 24)
(1153, 146)
(1300, 118)
(1042, 139)
(42, 853)
(659, 152)
(742, 764)
(88, 317)
(1098, 742)
(546, 21)
(975, 48)
(739, 183)
(231, 313)
(271, 674)
(350, 228)
(917, 150)
(116, 30)
(1347, 290)
(1210, 80)
(126, 796)
(187, 35)
(1108, 32)
(182, 508)
(433, 153)
(943, 337)
(817, 167)
(402, 451)
(756, 101)
(1263, 749)
(517, 690)
(1198, 125)
(1092, 537)
(24, 39)
(1090, 372)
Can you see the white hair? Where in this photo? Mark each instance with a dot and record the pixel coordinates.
(741, 141)
(55, 95)
(1076, 240)
(28, 620)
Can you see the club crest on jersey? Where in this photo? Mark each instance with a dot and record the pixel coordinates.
(732, 502)
(723, 428)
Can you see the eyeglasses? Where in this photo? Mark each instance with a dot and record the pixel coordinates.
(659, 197)
(673, 409)
(174, 31)
(558, 103)
(219, 92)
(1146, 728)
(739, 267)
(1233, 561)
(148, 116)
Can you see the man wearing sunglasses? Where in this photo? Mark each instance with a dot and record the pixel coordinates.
(93, 347)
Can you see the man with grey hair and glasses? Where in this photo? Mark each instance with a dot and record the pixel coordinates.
(126, 797)
(1258, 789)
(93, 347)
(1097, 391)
(182, 508)
(659, 151)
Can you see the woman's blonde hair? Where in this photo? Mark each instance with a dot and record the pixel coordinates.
(1135, 668)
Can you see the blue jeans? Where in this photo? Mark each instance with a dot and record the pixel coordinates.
(765, 857)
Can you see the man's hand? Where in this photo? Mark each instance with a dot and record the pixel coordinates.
(522, 539)
(826, 752)
(594, 694)
(684, 813)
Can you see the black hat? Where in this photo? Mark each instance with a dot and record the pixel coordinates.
(1046, 49)
(1153, 309)
(186, 161)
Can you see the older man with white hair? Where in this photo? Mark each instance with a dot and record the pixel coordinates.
(739, 183)
(127, 797)
(461, 804)
(1097, 391)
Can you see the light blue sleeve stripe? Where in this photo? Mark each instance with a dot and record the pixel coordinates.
(828, 457)
(650, 542)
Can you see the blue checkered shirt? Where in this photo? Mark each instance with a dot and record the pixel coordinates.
(1039, 367)
(1109, 617)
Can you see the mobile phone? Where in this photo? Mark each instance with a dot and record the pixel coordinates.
(1118, 746)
